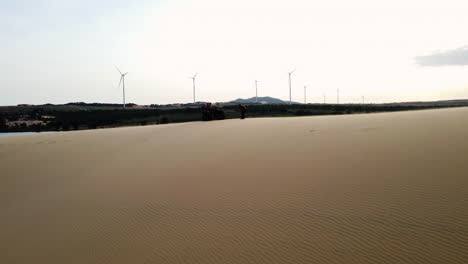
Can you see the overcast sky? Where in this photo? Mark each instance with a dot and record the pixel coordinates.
(58, 51)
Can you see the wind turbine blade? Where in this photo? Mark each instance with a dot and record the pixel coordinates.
(125, 74)
(195, 75)
(120, 82)
(118, 70)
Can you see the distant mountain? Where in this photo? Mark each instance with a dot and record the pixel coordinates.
(261, 100)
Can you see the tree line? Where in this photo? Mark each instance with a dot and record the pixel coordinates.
(63, 118)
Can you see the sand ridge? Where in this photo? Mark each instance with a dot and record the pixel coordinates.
(377, 188)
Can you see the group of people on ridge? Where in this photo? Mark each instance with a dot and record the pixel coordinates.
(210, 112)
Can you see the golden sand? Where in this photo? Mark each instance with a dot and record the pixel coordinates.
(376, 188)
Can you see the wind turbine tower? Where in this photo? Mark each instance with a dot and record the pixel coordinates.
(291, 72)
(337, 96)
(122, 81)
(305, 94)
(193, 80)
(324, 99)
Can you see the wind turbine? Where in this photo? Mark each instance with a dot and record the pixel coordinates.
(122, 81)
(291, 72)
(324, 99)
(362, 99)
(193, 80)
(256, 91)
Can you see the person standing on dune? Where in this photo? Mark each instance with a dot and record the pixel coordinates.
(243, 110)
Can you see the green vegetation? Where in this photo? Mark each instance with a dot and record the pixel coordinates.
(91, 116)
(3, 124)
(49, 118)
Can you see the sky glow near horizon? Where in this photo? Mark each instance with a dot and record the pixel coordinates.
(65, 51)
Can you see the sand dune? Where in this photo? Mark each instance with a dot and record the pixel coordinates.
(377, 188)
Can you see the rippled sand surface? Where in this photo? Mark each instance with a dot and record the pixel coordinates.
(377, 188)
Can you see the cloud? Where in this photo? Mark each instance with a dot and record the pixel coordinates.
(457, 57)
